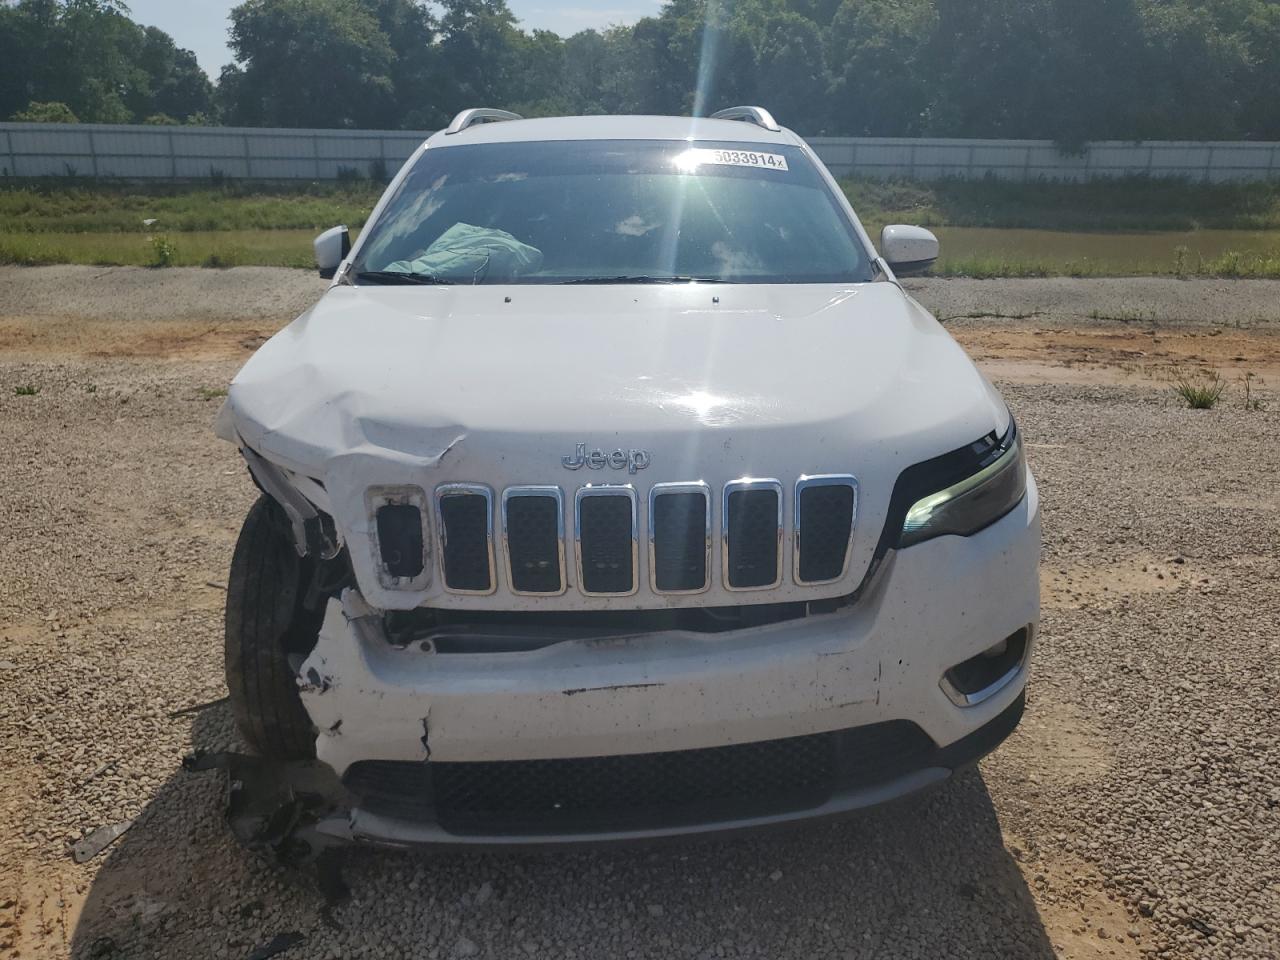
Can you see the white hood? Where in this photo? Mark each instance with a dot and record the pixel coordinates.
(494, 385)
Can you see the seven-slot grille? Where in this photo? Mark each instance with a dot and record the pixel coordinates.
(679, 534)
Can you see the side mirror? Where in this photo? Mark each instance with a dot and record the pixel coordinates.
(908, 249)
(332, 248)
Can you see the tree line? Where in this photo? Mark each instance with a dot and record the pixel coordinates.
(1065, 70)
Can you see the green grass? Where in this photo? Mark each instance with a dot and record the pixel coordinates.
(1202, 394)
(1128, 204)
(1232, 265)
(54, 206)
(25, 390)
(1133, 227)
(1131, 204)
(218, 249)
(962, 257)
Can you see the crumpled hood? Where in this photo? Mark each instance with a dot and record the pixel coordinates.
(495, 384)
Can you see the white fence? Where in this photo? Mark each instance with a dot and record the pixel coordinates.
(143, 152)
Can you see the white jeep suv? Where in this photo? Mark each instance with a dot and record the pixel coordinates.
(616, 489)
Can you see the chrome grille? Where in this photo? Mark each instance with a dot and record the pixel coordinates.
(465, 514)
(680, 537)
(825, 510)
(752, 523)
(533, 540)
(678, 529)
(605, 521)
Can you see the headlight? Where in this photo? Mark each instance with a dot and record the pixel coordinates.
(977, 501)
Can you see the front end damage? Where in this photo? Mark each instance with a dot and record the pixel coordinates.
(430, 735)
(514, 639)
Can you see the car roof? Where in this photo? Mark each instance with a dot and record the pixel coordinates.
(614, 128)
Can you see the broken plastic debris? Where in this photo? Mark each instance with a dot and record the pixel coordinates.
(92, 845)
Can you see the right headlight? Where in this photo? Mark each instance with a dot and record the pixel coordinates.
(975, 502)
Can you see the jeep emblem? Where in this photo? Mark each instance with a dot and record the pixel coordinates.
(632, 460)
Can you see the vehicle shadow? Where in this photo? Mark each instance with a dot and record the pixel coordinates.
(928, 877)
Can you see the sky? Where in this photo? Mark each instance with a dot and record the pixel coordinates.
(201, 25)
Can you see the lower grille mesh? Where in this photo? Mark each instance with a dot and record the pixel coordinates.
(603, 794)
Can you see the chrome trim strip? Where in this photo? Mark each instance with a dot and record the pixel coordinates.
(662, 489)
(535, 491)
(738, 486)
(823, 480)
(607, 490)
(987, 692)
(470, 490)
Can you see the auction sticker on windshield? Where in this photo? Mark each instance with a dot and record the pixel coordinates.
(691, 159)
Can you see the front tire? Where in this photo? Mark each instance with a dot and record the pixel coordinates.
(266, 622)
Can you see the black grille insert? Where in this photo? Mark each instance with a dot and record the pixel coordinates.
(825, 525)
(464, 532)
(752, 528)
(606, 543)
(533, 543)
(400, 539)
(680, 541)
(644, 791)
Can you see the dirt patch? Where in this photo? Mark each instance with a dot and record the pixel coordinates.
(1060, 746)
(44, 914)
(1093, 584)
(1124, 354)
(49, 336)
(1253, 304)
(1081, 920)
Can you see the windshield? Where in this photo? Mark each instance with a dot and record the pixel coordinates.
(613, 211)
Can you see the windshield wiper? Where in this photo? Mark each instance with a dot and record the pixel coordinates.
(393, 277)
(642, 279)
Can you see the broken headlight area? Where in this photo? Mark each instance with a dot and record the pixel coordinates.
(312, 528)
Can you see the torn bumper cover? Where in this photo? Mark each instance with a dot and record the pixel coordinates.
(659, 734)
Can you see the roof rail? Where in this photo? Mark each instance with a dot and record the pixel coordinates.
(757, 115)
(479, 115)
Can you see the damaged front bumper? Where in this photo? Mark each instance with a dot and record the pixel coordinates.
(664, 734)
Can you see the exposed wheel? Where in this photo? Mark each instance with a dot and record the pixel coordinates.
(266, 622)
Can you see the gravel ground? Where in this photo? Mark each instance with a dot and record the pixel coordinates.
(278, 295)
(1136, 811)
